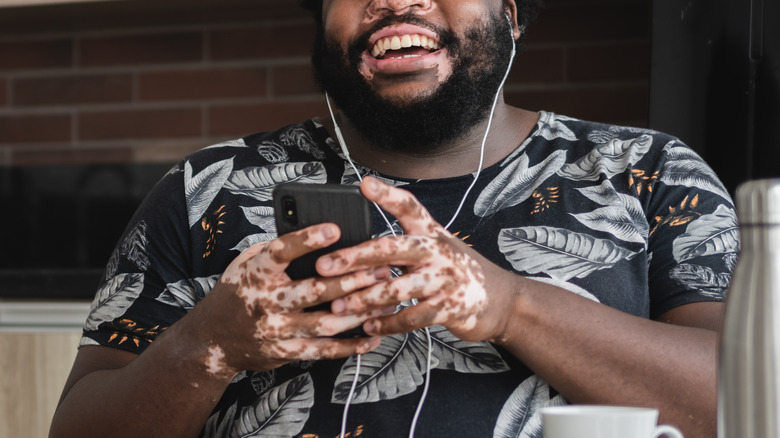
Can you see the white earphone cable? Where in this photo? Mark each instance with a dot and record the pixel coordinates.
(345, 151)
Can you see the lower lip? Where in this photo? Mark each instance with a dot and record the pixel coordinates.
(404, 65)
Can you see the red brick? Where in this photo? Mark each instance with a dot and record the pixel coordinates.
(35, 128)
(293, 79)
(36, 54)
(240, 120)
(591, 21)
(262, 42)
(618, 104)
(203, 84)
(167, 48)
(3, 92)
(609, 62)
(70, 156)
(137, 124)
(73, 90)
(538, 65)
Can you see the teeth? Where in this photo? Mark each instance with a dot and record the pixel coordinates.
(404, 41)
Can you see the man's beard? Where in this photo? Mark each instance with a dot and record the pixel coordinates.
(419, 124)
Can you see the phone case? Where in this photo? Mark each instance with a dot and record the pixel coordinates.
(318, 203)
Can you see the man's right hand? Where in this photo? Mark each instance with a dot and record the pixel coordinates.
(254, 317)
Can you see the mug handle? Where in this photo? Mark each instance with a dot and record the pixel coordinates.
(669, 431)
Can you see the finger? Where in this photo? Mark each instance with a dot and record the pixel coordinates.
(285, 326)
(404, 288)
(313, 291)
(410, 319)
(288, 247)
(411, 214)
(322, 348)
(392, 251)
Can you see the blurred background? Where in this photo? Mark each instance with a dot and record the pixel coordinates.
(99, 98)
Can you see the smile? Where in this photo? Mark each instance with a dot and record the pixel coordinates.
(404, 46)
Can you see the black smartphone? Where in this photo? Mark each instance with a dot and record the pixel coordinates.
(299, 205)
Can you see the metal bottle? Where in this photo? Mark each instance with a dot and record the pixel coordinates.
(749, 371)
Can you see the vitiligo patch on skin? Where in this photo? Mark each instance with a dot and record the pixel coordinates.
(215, 361)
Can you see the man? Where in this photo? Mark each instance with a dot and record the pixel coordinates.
(543, 260)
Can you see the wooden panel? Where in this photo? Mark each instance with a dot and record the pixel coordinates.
(33, 369)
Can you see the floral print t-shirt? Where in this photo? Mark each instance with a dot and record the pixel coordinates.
(631, 218)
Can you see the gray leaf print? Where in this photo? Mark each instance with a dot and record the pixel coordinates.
(701, 278)
(394, 369)
(516, 183)
(298, 136)
(253, 239)
(615, 221)
(461, 356)
(201, 189)
(187, 293)
(280, 412)
(114, 298)
(259, 182)
(622, 215)
(272, 152)
(520, 417)
(262, 381)
(716, 233)
(559, 253)
(609, 159)
(218, 426)
(685, 168)
(133, 248)
(556, 129)
(238, 143)
(261, 217)
(573, 288)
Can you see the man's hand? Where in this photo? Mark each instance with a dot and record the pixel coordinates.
(450, 280)
(254, 317)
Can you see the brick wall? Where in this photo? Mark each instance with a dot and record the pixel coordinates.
(124, 90)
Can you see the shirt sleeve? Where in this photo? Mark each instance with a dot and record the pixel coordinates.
(694, 236)
(132, 305)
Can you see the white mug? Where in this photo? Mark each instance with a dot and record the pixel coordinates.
(589, 421)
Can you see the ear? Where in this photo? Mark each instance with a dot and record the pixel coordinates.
(510, 8)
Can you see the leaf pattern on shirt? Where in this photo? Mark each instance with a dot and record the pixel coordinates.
(716, 233)
(258, 182)
(263, 218)
(201, 189)
(187, 293)
(684, 168)
(299, 137)
(520, 416)
(114, 298)
(608, 159)
(703, 279)
(133, 248)
(398, 366)
(558, 252)
(272, 152)
(236, 143)
(516, 183)
(621, 215)
(282, 411)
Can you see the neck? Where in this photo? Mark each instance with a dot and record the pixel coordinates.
(510, 127)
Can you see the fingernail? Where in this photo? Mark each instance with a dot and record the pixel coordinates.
(370, 326)
(380, 273)
(327, 232)
(389, 310)
(326, 262)
(338, 306)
